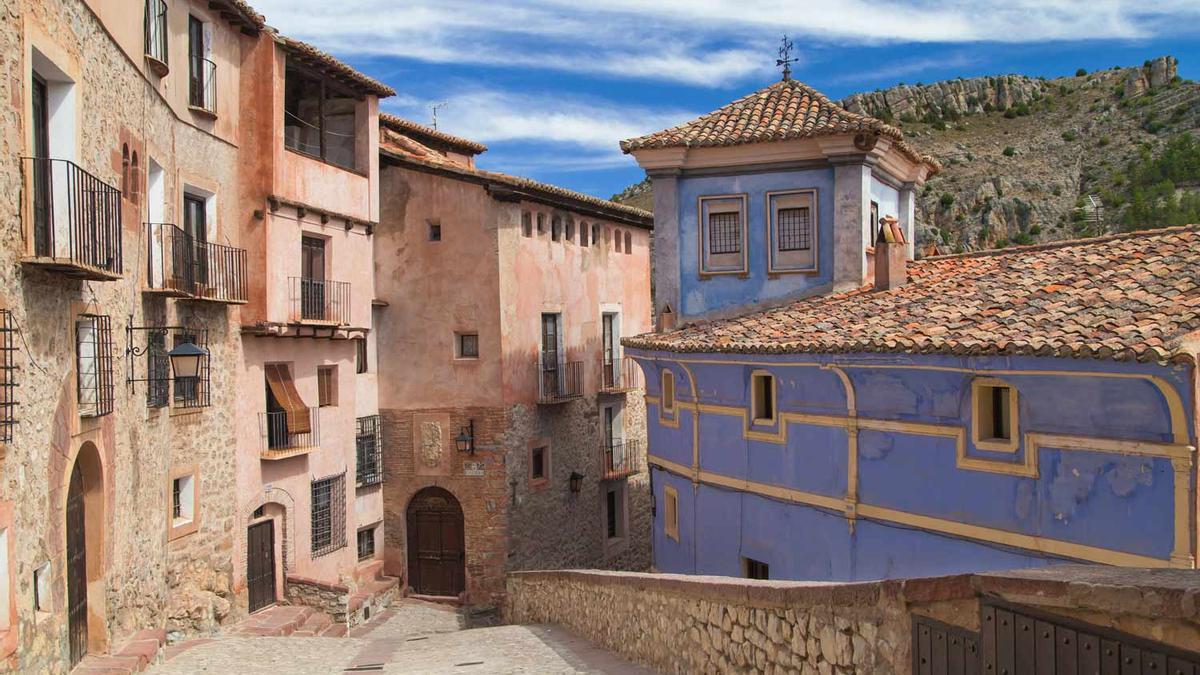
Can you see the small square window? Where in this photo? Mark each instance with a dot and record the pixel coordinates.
(467, 346)
(326, 386)
(668, 391)
(538, 463)
(755, 569)
(995, 415)
(792, 231)
(435, 231)
(722, 233)
(41, 588)
(671, 512)
(183, 500)
(762, 397)
(526, 224)
(366, 543)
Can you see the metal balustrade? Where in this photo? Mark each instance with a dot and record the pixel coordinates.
(559, 380)
(278, 438)
(319, 300)
(619, 375)
(619, 457)
(202, 84)
(76, 218)
(156, 34)
(179, 265)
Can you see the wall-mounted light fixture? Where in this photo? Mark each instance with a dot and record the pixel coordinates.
(576, 482)
(465, 441)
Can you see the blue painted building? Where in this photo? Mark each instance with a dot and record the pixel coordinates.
(829, 409)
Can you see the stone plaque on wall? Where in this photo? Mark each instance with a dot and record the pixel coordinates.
(429, 444)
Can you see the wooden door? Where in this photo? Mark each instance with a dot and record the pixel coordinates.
(550, 355)
(42, 238)
(312, 278)
(77, 610)
(610, 370)
(260, 564)
(436, 549)
(196, 84)
(195, 225)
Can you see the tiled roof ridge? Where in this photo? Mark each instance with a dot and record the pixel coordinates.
(1065, 243)
(253, 16)
(331, 62)
(397, 123)
(529, 183)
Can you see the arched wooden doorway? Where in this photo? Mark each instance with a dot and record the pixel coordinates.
(436, 546)
(84, 557)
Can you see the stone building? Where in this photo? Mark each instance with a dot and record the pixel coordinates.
(309, 504)
(513, 425)
(120, 243)
(858, 415)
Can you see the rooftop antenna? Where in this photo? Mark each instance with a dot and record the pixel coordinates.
(434, 108)
(785, 58)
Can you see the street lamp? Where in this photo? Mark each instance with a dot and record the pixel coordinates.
(576, 482)
(186, 359)
(465, 441)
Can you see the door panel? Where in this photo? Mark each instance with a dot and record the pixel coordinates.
(312, 278)
(76, 569)
(42, 242)
(260, 564)
(436, 544)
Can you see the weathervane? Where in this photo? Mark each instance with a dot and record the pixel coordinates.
(434, 108)
(785, 58)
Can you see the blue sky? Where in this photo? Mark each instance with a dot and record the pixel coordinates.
(551, 86)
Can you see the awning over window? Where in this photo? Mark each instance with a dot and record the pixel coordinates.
(279, 380)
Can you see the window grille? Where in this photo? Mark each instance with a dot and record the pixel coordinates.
(193, 392)
(94, 375)
(724, 233)
(158, 370)
(366, 543)
(795, 229)
(368, 443)
(8, 376)
(328, 515)
(160, 391)
(177, 498)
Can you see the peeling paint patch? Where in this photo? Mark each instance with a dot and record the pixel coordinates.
(1025, 499)
(1075, 479)
(1130, 473)
(888, 393)
(875, 446)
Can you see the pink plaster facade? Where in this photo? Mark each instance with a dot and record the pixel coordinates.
(288, 196)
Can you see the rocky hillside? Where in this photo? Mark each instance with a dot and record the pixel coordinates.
(1030, 159)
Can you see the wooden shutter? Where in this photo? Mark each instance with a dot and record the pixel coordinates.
(279, 379)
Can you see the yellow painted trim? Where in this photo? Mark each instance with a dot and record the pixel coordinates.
(671, 526)
(668, 416)
(755, 376)
(695, 421)
(933, 524)
(978, 415)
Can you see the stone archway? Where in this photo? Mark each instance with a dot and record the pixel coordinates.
(436, 543)
(84, 513)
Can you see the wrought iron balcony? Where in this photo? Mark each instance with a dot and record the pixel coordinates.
(202, 85)
(156, 36)
(76, 220)
(283, 437)
(319, 301)
(180, 266)
(618, 458)
(559, 381)
(620, 375)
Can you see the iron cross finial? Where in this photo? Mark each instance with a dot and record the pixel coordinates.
(785, 57)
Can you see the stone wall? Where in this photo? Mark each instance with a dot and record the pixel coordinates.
(692, 624)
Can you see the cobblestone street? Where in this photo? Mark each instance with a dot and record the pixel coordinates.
(413, 637)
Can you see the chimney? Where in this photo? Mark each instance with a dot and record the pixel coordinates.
(891, 255)
(666, 320)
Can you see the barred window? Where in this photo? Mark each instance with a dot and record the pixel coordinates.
(366, 543)
(158, 370)
(193, 392)
(368, 444)
(724, 233)
(795, 229)
(8, 379)
(328, 515)
(94, 374)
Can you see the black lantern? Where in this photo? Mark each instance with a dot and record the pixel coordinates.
(576, 482)
(186, 359)
(465, 441)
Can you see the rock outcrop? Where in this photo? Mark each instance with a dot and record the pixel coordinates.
(1154, 74)
(951, 98)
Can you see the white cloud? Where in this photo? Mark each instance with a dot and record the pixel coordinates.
(713, 42)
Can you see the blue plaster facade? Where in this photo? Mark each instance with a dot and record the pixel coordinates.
(701, 295)
(895, 502)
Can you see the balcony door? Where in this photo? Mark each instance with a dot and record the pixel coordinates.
(551, 359)
(196, 84)
(608, 330)
(312, 278)
(42, 242)
(195, 226)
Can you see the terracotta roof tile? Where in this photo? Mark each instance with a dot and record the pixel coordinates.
(1085, 298)
(412, 128)
(786, 110)
(332, 66)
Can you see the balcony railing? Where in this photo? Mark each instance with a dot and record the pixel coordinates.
(619, 458)
(202, 85)
(278, 439)
(178, 265)
(76, 217)
(156, 35)
(559, 380)
(619, 375)
(319, 301)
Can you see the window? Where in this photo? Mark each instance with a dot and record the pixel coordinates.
(555, 228)
(994, 422)
(671, 512)
(617, 241)
(762, 398)
(628, 242)
(466, 345)
(435, 231)
(201, 70)
(5, 586)
(93, 350)
(614, 511)
(583, 234)
(288, 422)
(755, 569)
(722, 234)
(366, 543)
(183, 503)
(541, 223)
(368, 445)
(874, 220)
(526, 224)
(328, 515)
(668, 390)
(570, 233)
(360, 355)
(539, 464)
(595, 234)
(8, 383)
(41, 588)
(156, 34)
(320, 118)
(326, 386)
(791, 231)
